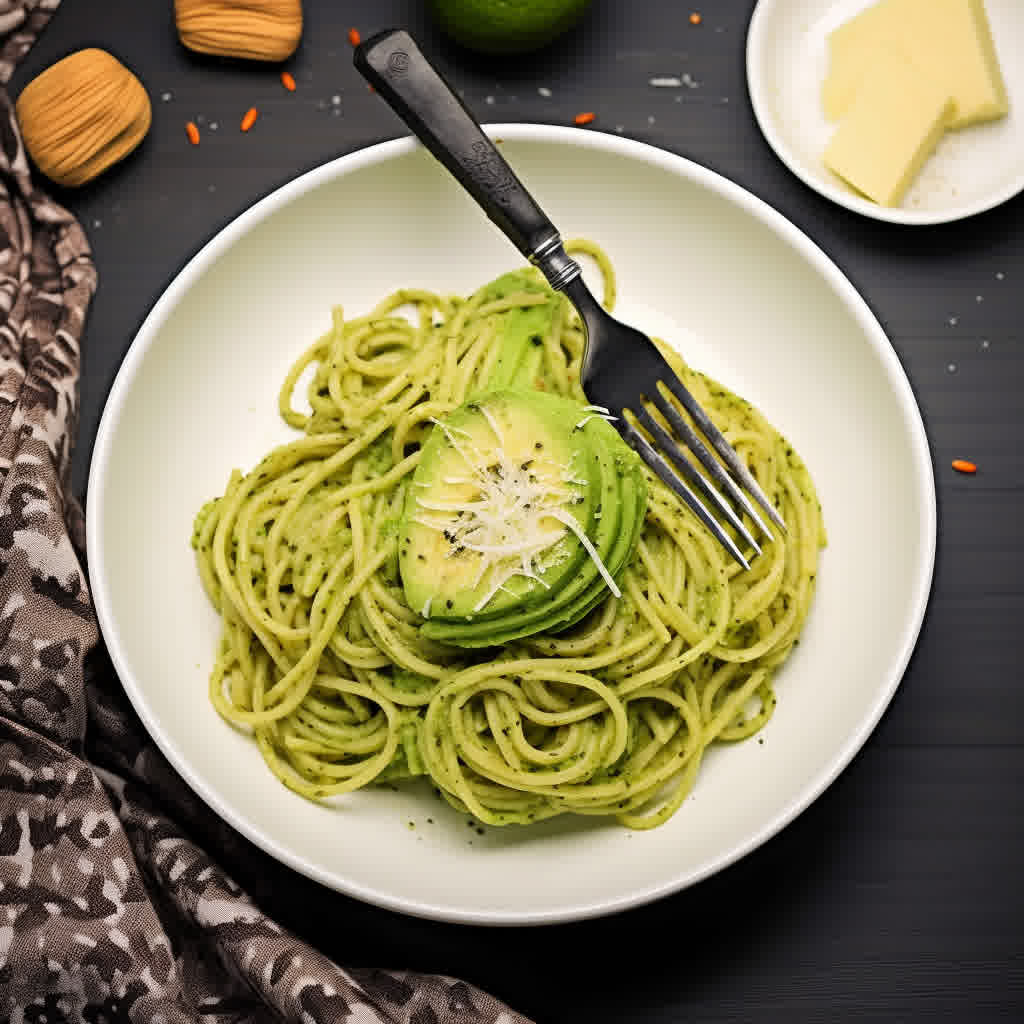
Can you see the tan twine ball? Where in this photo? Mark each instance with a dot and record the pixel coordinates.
(267, 30)
(81, 115)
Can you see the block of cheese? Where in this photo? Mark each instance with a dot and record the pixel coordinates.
(892, 126)
(847, 46)
(950, 39)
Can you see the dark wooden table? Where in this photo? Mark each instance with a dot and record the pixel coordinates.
(898, 896)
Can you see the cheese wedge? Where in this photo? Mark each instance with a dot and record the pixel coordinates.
(893, 125)
(949, 39)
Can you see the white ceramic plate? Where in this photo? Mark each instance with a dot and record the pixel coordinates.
(970, 171)
(748, 298)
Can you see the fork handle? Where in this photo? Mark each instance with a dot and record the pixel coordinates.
(394, 65)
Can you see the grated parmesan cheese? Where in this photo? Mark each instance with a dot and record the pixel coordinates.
(508, 524)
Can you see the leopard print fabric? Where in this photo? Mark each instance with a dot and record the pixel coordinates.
(110, 910)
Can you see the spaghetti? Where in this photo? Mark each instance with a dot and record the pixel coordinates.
(323, 661)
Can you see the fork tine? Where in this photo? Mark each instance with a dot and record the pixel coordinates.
(686, 433)
(668, 446)
(664, 473)
(719, 443)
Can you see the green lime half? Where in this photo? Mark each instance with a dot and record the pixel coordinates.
(507, 26)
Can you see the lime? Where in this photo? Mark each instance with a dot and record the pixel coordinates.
(507, 26)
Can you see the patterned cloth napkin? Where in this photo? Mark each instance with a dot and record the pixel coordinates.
(109, 911)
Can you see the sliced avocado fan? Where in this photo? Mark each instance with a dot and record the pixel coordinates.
(525, 507)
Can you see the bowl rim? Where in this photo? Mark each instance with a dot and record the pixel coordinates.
(757, 90)
(379, 152)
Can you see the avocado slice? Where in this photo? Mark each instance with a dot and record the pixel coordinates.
(486, 554)
(566, 614)
(617, 521)
(520, 362)
(635, 486)
(532, 617)
(483, 507)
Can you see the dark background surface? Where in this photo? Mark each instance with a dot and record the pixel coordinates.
(898, 895)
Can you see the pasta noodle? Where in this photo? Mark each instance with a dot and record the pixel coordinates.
(322, 660)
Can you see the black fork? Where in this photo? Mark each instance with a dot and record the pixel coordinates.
(622, 367)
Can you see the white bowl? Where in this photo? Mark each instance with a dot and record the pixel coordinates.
(747, 297)
(971, 170)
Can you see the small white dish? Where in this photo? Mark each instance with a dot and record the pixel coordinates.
(970, 171)
(745, 295)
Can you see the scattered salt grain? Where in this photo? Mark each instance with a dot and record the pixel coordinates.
(97, 223)
(999, 275)
(953, 321)
(665, 82)
(335, 100)
(650, 119)
(979, 298)
(214, 126)
(489, 100)
(985, 343)
(620, 128)
(166, 96)
(951, 368)
(689, 81)
(544, 91)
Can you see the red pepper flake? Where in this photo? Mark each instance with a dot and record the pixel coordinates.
(288, 81)
(354, 37)
(584, 118)
(250, 119)
(963, 466)
(192, 131)
(695, 18)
